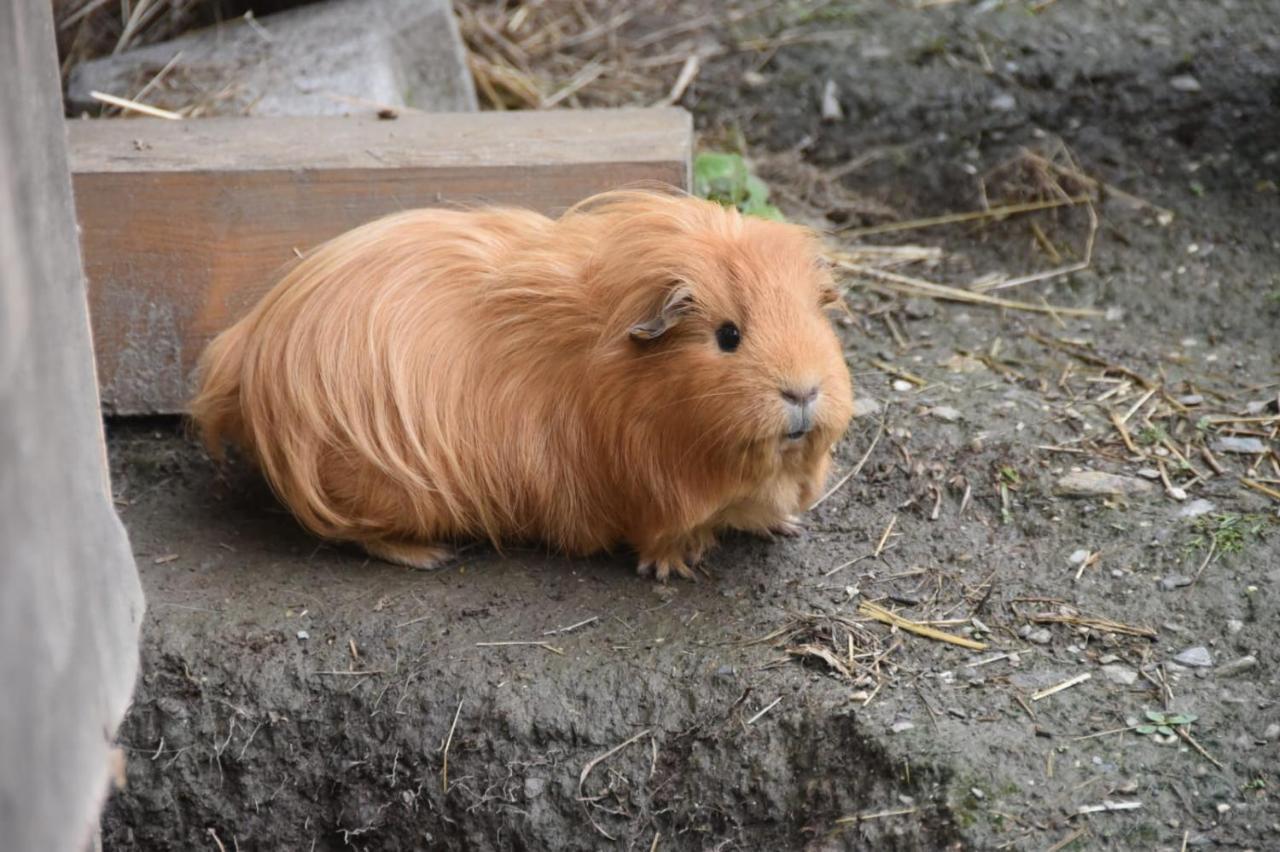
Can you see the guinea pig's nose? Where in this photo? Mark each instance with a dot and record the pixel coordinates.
(800, 396)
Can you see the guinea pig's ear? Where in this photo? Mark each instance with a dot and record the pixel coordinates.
(674, 306)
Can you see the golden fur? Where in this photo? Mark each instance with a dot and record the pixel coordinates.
(437, 375)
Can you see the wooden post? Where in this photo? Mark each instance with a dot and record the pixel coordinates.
(185, 224)
(70, 602)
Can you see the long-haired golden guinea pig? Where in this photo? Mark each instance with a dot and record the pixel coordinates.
(647, 370)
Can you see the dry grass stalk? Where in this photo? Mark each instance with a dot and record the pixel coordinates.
(879, 613)
(1104, 625)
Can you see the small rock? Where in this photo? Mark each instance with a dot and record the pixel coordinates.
(533, 787)
(1184, 83)
(1234, 625)
(1108, 659)
(1096, 483)
(901, 725)
(1262, 406)
(864, 406)
(902, 385)
(1174, 581)
(831, 109)
(1196, 657)
(1179, 494)
(946, 413)
(1004, 102)
(977, 793)
(1149, 473)
(1238, 667)
(1191, 399)
(920, 308)
(1272, 732)
(1122, 675)
(1040, 636)
(1196, 508)
(754, 79)
(725, 673)
(1223, 807)
(1236, 444)
(1078, 556)
(303, 635)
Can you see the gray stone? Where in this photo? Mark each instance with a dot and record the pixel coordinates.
(901, 725)
(1234, 625)
(865, 406)
(1272, 732)
(946, 413)
(1184, 83)
(1122, 675)
(1236, 444)
(1004, 102)
(1174, 581)
(1191, 399)
(534, 787)
(1238, 667)
(920, 308)
(1040, 636)
(1096, 483)
(1196, 508)
(330, 58)
(1196, 657)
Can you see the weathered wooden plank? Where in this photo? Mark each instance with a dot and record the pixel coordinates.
(70, 602)
(185, 224)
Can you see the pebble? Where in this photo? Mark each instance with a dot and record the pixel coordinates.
(1191, 399)
(977, 793)
(533, 787)
(831, 109)
(1272, 732)
(1236, 444)
(303, 635)
(1040, 636)
(902, 385)
(1078, 556)
(945, 412)
(1096, 483)
(1261, 406)
(1196, 508)
(899, 727)
(1184, 83)
(1004, 102)
(1196, 657)
(1234, 625)
(1238, 667)
(1174, 581)
(864, 406)
(1122, 675)
(1149, 473)
(1108, 659)
(920, 308)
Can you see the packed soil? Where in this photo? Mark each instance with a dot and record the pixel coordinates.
(296, 695)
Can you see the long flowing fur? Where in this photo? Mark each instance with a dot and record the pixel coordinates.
(438, 374)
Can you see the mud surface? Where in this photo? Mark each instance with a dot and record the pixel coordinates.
(296, 696)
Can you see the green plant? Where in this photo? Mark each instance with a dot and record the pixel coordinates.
(1226, 532)
(1164, 723)
(1152, 435)
(725, 178)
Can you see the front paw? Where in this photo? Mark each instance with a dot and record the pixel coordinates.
(662, 568)
(789, 527)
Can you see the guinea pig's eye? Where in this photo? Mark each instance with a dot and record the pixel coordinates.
(728, 337)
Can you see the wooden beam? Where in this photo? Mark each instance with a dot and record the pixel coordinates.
(184, 225)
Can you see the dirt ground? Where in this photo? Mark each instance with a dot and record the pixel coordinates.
(297, 696)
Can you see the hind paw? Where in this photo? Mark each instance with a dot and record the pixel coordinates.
(410, 554)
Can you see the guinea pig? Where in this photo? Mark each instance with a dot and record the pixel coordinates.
(648, 370)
